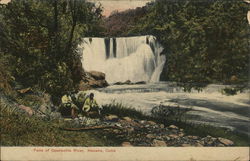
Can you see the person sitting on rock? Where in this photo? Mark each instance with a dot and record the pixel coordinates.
(80, 98)
(90, 105)
(67, 103)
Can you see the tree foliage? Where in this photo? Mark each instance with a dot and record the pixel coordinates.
(205, 41)
(41, 39)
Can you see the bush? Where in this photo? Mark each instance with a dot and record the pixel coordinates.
(17, 129)
(169, 112)
(122, 111)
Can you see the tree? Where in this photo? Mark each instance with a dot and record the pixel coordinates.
(205, 41)
(42, 38)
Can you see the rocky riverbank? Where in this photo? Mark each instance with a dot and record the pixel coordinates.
(125, 129)
(134, 132)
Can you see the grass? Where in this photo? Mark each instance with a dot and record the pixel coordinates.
(122, 111)
(17, 129)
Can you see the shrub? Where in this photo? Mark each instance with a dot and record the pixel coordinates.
(169, 112)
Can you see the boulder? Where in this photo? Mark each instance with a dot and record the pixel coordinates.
(193, 137)
(127, 119)
(141, 82)
(126, 144)
(127, 82)
(159, 143)
(225, 141)
(90, 83)
(93, 79)
(150, 136)
(27, 110)
(45, 109)
(118, 83)
(198, 145)
(186, 145)
(97, 75)
(25, 90)
(151, 122)
(111, 118)
(233, 78)
(173, 127)
(162, 126)
(173, 136)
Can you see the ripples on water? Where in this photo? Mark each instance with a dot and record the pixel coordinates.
(209, 106)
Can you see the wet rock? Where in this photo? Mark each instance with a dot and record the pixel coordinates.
(159, 143)
(118, 83)
(27, 110)
(93, 79)
(127, 82)
(97, 75)
(181, 134)
(173, 127)
(226, 142)
(141, 82)
(126, 144)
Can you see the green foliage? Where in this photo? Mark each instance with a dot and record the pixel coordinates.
(166, 113)
(205, 41)
(121, 111)
(18, 129)
(41, 38)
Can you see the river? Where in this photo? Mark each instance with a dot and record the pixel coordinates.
(208, 107)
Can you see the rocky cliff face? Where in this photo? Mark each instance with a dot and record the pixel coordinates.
(93, 79)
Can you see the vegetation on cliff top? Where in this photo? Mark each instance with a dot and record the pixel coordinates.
(205, 41)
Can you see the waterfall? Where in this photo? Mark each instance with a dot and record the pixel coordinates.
(124, 58)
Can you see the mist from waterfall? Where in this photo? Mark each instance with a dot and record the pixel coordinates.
(124, 58)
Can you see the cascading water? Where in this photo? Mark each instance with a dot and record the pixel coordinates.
(124, 58)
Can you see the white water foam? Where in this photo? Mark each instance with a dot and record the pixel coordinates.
(129, 58)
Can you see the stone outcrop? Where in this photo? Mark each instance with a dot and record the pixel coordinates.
(27, 110)
(93, 79)
(134, 132)
(128, 82)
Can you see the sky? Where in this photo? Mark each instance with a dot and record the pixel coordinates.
(121, 5)
(112, 5)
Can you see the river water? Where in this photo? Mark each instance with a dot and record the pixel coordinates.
(208, 107)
